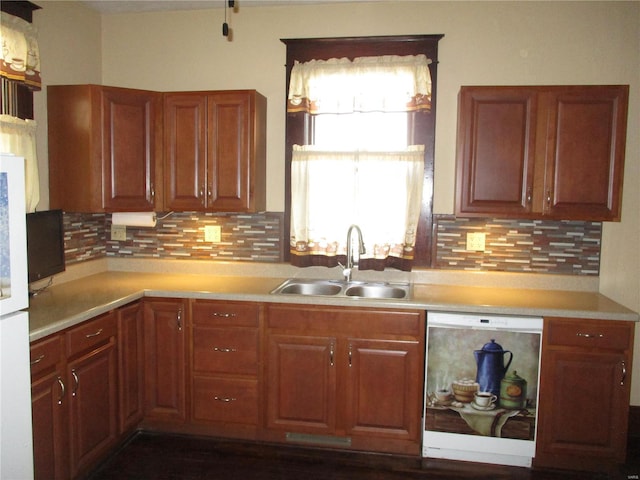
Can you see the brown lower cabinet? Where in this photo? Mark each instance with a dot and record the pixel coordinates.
(338, 377)
(345, 377)
(74, 398)
(584, 393)
(165, 322)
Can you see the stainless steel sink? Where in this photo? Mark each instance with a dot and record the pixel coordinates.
(376, 291)
(337, 288)
(311, 288)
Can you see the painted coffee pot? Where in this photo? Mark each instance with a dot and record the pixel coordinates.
(491, 368)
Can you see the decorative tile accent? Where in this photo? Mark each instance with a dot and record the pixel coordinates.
(554, 247)
(84, 237)
(545, 246)
(254, 237)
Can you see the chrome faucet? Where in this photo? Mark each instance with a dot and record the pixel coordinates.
(347, 269)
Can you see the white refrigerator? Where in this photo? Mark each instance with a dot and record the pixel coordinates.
(16, 442)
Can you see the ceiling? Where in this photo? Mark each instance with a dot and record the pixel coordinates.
(122, 6)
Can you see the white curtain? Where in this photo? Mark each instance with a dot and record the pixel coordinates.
(388, 83)
(18, 137)
(381, 192)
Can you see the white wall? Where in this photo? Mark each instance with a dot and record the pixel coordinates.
(492, 43)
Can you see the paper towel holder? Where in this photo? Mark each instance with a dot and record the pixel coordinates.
(134, 219)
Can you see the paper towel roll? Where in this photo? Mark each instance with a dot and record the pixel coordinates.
(134, 219)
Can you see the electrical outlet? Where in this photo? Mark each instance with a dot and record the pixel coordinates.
(118, 232)
(475, 241)
(212, 233)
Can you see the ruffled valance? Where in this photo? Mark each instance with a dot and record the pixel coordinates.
(389, 83)
(20, 55)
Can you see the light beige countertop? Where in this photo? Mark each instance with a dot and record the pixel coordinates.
(70, 303)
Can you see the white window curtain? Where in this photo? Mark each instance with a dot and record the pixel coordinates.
(18, 137)
(380, 191)
(388, 83)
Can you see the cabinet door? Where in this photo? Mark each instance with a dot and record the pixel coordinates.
(49, 409)
(164, 357)
(586, 135)
(495, 151)
(130, 366)
(185, 126)
(93, 426)
(103, 148)
(301, 383)
(49, 416)
(229, 122)
(585, 408)
(384, 382)
(584, 393)
(131, 125)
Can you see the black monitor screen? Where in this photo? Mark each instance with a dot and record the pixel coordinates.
(45, 244)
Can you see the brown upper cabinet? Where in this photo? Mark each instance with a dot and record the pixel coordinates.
(541, 151)
(215, 151)
(104, 147)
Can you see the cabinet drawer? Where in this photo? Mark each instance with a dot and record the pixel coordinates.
(346, 320)
(91, 334)
(225, 350)
(45, 354)
(225, 400)
(589, 333)
(225, 313)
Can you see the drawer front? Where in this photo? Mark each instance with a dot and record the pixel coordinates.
(91, 334)
(225, 350)
(589, 333)
(45, 354)
(346, 320)
(225, 400)
(209, 313)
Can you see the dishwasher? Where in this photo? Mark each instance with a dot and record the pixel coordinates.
(481, 387)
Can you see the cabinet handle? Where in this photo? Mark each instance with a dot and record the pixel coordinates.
(153, 194)
(201, 195)
(179, 319)
(62, 390)
(76, 383)
(350, 355)
(624, 373)
(224, 349)
(224, 399)
(528, 195)
(331, 352)
(37, 360)
(223, 315)
(548, 198)
(589, 335)
(91, 335)
(210, 192)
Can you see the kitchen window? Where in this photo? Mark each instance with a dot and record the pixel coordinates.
(353, 161)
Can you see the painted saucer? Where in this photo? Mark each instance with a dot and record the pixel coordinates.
(483, 409)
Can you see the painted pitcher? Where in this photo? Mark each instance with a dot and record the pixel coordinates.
(491, 368)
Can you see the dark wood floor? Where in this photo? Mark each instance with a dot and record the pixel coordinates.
(150, 456)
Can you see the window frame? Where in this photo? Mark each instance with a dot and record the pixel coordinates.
(421, 124)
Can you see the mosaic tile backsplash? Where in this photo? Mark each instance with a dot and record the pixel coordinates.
(554, 247)
(558, 247)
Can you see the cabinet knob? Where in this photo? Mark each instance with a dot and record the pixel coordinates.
(624, 373)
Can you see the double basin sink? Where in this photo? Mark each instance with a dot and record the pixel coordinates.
(343, 288)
